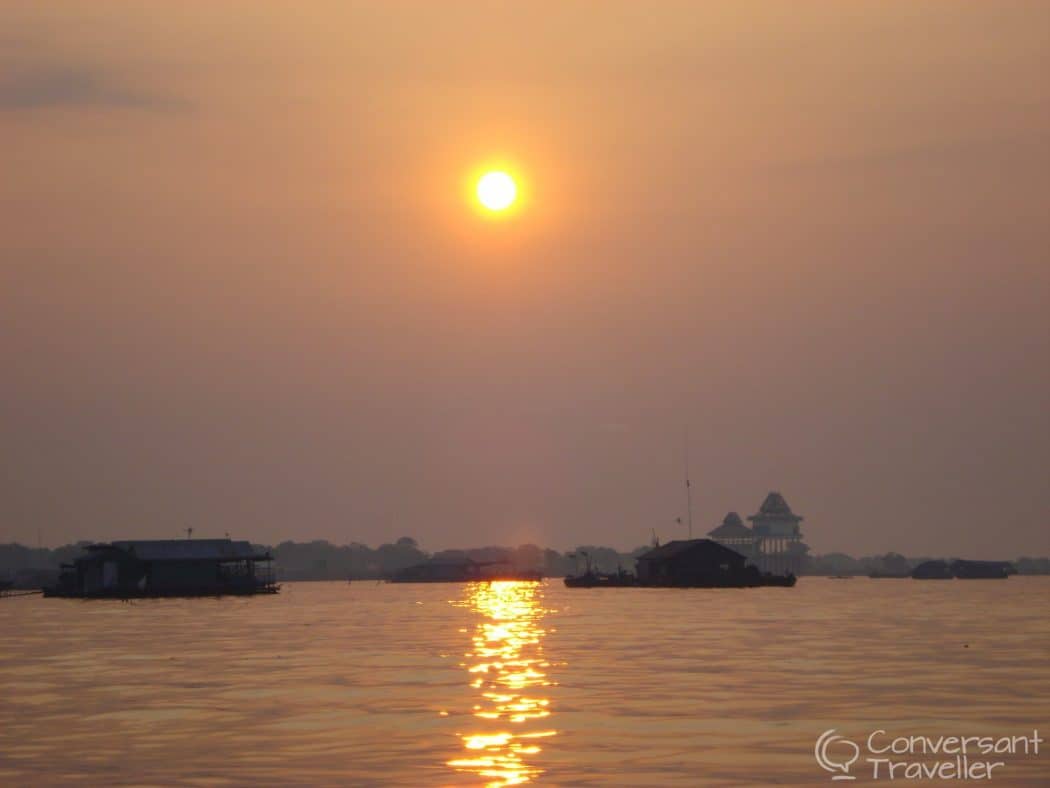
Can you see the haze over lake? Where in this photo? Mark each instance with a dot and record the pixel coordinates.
(246, 286)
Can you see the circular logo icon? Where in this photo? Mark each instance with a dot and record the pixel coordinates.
(834, 762)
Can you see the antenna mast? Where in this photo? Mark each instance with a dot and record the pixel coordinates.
(688, 488)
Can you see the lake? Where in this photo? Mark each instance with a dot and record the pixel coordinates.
(511, 683)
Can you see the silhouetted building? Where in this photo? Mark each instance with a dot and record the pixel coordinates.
(439, 570)
(777, 546)
(734, 534)
(932, 570)
(965, 570)
(773, 543)
(167, 567)
(700, 563)
(982, 570)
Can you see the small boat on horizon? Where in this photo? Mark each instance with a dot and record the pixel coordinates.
(690, 563)
(963, 570)
(592, 579)
(464, 570)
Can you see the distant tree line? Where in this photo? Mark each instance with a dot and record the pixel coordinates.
(321, 560)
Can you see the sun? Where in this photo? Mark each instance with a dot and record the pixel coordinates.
(496, 191)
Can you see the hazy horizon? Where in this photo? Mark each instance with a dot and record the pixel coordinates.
(241, 290)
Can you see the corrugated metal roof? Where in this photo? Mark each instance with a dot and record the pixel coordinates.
(187, 549)
(673, 549)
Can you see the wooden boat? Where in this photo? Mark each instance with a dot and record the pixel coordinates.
(783, 581)
(932, 570)
(591, 579)
(982, 570)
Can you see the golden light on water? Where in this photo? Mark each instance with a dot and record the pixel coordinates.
(507, 667)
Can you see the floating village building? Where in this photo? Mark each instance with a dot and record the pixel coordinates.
(439, 571)
(769, 553)
(963, 569)
(167, 567)
(688, 562)
(773, 543)
(694, 563)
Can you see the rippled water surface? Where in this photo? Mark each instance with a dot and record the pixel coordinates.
(330, 683)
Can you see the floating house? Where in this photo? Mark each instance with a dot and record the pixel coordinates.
(167, 567)
(773, 543)
(982, 570)
(964, 570)
(932, 570)
(439, 571)
(769, 553)
(701, 563)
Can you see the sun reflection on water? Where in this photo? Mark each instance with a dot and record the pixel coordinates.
(507, 667)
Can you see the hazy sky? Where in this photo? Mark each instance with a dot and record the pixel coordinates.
(241, 287)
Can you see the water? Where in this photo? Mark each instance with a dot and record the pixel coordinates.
(329, 683)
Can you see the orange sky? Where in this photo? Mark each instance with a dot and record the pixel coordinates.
(240, 287)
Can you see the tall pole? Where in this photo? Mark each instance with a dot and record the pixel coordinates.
(688, 488)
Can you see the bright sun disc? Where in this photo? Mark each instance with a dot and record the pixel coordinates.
(496, 191)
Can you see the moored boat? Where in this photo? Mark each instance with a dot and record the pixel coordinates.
(783, 581)
(591, 579)
(932, 570)
(982, 570)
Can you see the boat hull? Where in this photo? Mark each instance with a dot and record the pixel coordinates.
(601, 581)
(742, 581)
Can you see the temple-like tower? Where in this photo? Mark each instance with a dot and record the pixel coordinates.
(734, 534)
(777, 538)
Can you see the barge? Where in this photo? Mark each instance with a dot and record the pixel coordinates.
(129, 569)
